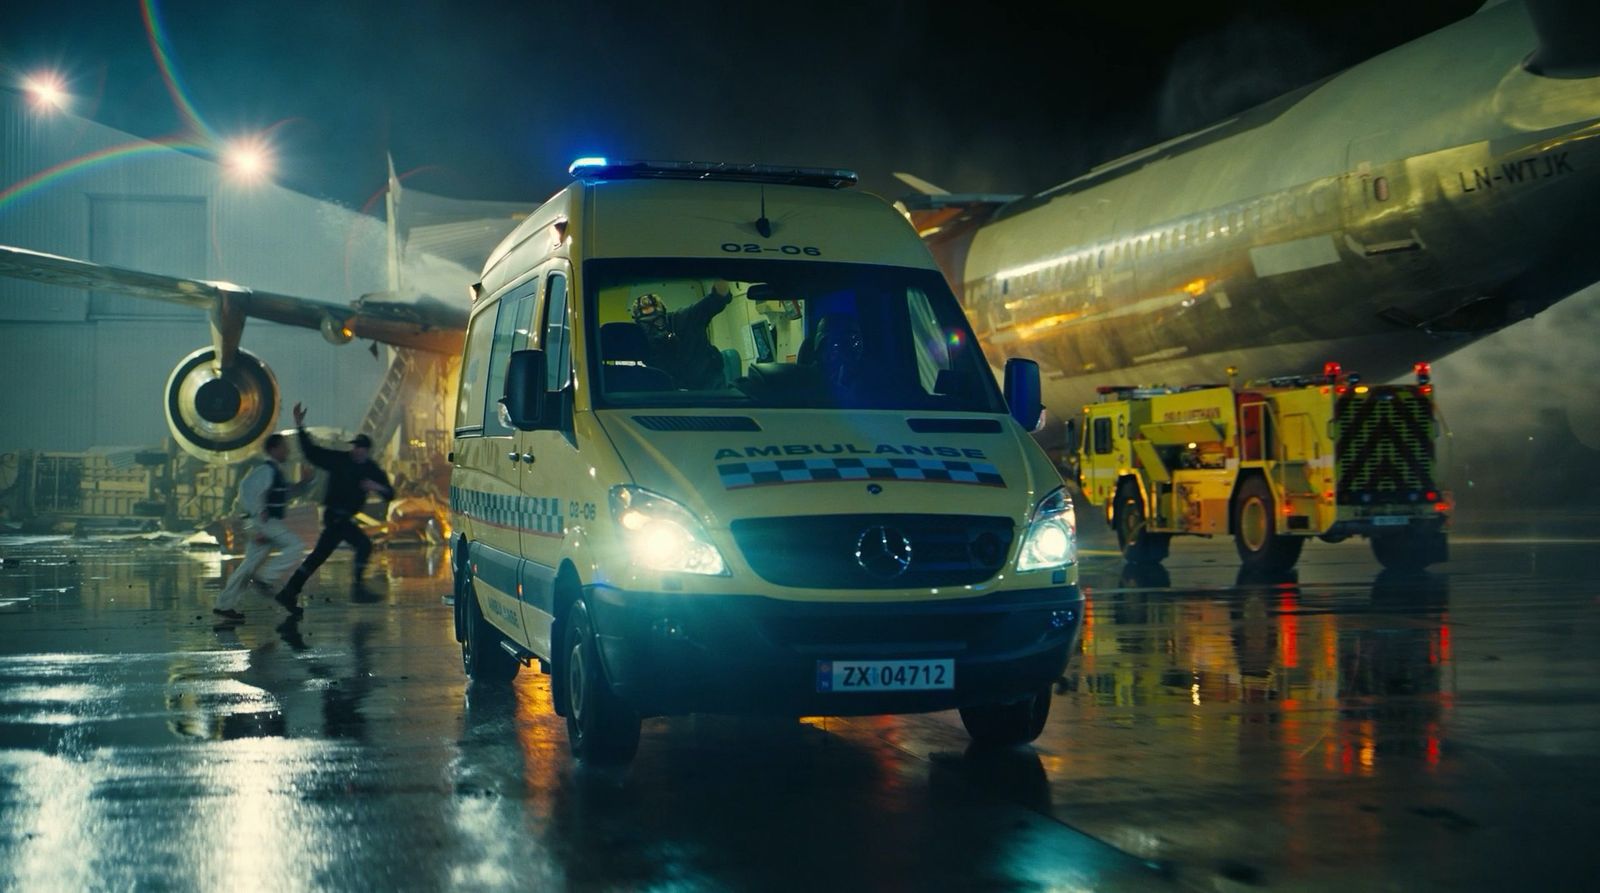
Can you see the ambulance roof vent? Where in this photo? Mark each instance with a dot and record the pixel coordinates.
(595, 168)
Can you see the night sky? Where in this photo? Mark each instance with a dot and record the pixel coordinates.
(494, 99)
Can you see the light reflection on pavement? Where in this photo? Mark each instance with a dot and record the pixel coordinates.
(1339, 728)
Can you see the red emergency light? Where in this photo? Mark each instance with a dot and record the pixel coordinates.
(1331, 370)
(1424, 372)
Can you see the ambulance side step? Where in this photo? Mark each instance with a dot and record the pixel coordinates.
(526, 658)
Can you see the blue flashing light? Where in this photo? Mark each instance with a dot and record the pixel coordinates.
(586, 162)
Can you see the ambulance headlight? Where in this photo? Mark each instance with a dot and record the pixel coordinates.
(662, 535)
(1051, 540)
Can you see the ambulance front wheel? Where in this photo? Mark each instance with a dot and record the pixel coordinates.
(1007, 725)
(1261, 547)
(1134, 538)
(485, 662)
(601, 728)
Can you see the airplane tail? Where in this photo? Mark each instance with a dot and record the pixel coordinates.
(939, 212)
(391, 208)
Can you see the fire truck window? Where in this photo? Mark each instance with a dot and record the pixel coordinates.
(1102, 436)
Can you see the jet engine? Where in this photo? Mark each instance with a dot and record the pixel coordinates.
(221, 415)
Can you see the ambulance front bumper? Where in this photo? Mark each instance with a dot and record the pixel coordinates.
(675, 653)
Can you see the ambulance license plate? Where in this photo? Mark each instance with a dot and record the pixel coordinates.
(1391, 521)
(885, 675)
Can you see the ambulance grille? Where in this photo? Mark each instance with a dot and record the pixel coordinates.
(697, 422)
(819, 551)
(1384, 446)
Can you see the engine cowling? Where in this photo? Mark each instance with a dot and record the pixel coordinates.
(221, 415)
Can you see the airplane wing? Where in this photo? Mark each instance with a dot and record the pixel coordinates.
(428, 325)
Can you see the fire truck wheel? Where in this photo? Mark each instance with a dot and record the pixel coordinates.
(1138, 544)
(1407, 552)
(1260, 547)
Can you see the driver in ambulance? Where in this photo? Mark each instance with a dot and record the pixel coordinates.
(677, 340)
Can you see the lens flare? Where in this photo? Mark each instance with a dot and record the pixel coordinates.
(249, 160)
(85, 163)
(156, 33)
(46, 91)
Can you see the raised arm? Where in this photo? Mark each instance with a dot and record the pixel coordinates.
(700, 313)
(322, 457)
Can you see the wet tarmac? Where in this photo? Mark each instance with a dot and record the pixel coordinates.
(1343, 729)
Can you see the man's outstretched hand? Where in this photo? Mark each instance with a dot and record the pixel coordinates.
(299, 415)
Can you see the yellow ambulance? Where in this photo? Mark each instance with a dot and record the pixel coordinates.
(724, 443)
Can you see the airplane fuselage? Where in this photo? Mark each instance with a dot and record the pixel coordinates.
(1389, 214)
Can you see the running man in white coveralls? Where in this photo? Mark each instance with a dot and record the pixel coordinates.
(263, 495)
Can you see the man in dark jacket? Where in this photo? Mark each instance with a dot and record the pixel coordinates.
(352, 477)
(677, 339)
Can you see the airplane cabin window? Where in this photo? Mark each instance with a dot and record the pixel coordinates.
(1380, 189)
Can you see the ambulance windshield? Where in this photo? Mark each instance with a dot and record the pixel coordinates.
(683, 333)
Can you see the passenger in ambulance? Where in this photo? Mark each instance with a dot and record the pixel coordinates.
(839, 350)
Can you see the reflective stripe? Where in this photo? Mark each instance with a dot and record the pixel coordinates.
(541, 515)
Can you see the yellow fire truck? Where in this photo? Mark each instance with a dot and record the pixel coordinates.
(1272, 463)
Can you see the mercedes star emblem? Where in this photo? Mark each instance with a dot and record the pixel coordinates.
(883, 552)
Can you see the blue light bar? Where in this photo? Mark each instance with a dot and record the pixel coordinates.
(588, 161)
(604, 169)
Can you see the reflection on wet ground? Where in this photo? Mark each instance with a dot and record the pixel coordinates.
(1335, 729)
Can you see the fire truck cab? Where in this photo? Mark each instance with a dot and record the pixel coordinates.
(1272, 463)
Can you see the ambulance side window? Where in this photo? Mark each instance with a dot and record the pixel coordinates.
(557, 334)
(1102, 436)
(474, 376)
(510, 333)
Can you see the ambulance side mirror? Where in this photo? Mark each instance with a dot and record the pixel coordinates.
(525, 389)
(1023, 393)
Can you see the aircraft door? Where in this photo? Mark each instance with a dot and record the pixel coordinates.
(1380, 200)
(497, 552)
(556, 488)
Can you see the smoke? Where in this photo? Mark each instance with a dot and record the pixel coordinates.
(436, 277)
(1522, 410)
(1244, 64)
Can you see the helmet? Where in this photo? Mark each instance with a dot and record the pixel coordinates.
(648, 308)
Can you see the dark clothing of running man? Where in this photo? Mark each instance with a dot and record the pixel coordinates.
(343, 499)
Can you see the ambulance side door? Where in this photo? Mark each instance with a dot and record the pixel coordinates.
(497, 555)
(554, 474)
